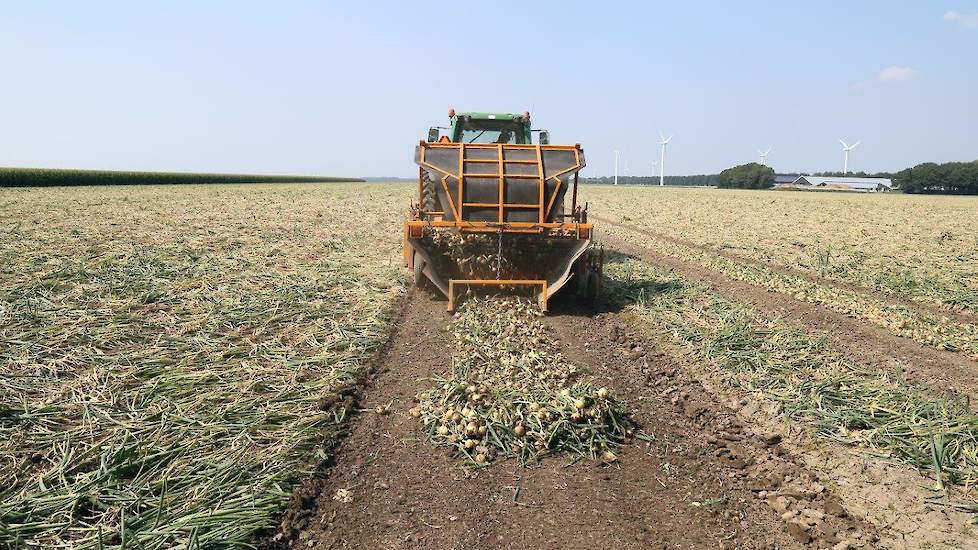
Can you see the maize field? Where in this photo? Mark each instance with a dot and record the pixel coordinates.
(249, 366)
(51, 177)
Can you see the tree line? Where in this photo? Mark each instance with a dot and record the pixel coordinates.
(954, 178)
(45, 177)
(951, 178)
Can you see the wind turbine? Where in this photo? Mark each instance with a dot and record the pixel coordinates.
(845, 155)
(764, 156)
(617, 154)
(662, 162)
(653, 163)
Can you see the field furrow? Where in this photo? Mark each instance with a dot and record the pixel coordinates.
(938, 331)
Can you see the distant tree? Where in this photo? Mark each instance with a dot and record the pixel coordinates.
(956, 178)
(747, 176)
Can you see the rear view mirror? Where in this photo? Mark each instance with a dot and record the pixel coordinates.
(432, 135)
(544, 137)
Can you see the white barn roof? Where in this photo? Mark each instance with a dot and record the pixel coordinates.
(852, 183)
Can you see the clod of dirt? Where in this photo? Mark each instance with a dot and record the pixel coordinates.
(799, 532)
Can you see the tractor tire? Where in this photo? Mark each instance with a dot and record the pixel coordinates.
(429, 194)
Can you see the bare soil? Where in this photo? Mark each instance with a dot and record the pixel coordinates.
(944, 372)
(703, 481)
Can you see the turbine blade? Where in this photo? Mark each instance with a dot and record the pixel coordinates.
(854, 145)
(843, 143)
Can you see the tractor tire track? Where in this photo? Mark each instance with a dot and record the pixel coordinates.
(785, 470)
(686, 488)
(957, 316)
(943, 372)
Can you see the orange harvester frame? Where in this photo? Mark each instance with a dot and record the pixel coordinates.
(505, 163)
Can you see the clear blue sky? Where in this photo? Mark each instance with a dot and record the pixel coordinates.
(347, 88)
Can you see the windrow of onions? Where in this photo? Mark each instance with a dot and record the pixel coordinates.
(509, 394)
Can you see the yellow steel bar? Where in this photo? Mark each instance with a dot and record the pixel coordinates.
(461, 177)
(553, 198)
(498, 282)
(407, 252)
(421, 180)
(451, 202)
(502, 182)
(495, 175)
(507, 205)
(514, 161)
(526, 231)
(542, 181)
(448, 145)
(555, 225)
(577, 160)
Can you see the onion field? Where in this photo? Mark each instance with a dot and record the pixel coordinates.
(250, 366)
(172, 357)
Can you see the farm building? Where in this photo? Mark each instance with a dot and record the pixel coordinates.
(832, 183)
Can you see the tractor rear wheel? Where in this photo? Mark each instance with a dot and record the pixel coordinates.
(429, 195)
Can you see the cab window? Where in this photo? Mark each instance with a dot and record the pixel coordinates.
(490, 131)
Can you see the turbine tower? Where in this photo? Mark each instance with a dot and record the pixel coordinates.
(617, 154)
(764, 156)
(662, 160)
(653, 163)
(845, 155)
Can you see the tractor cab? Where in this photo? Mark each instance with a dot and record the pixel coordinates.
(506, 128)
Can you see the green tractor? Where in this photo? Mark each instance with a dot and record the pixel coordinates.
(488, 128)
